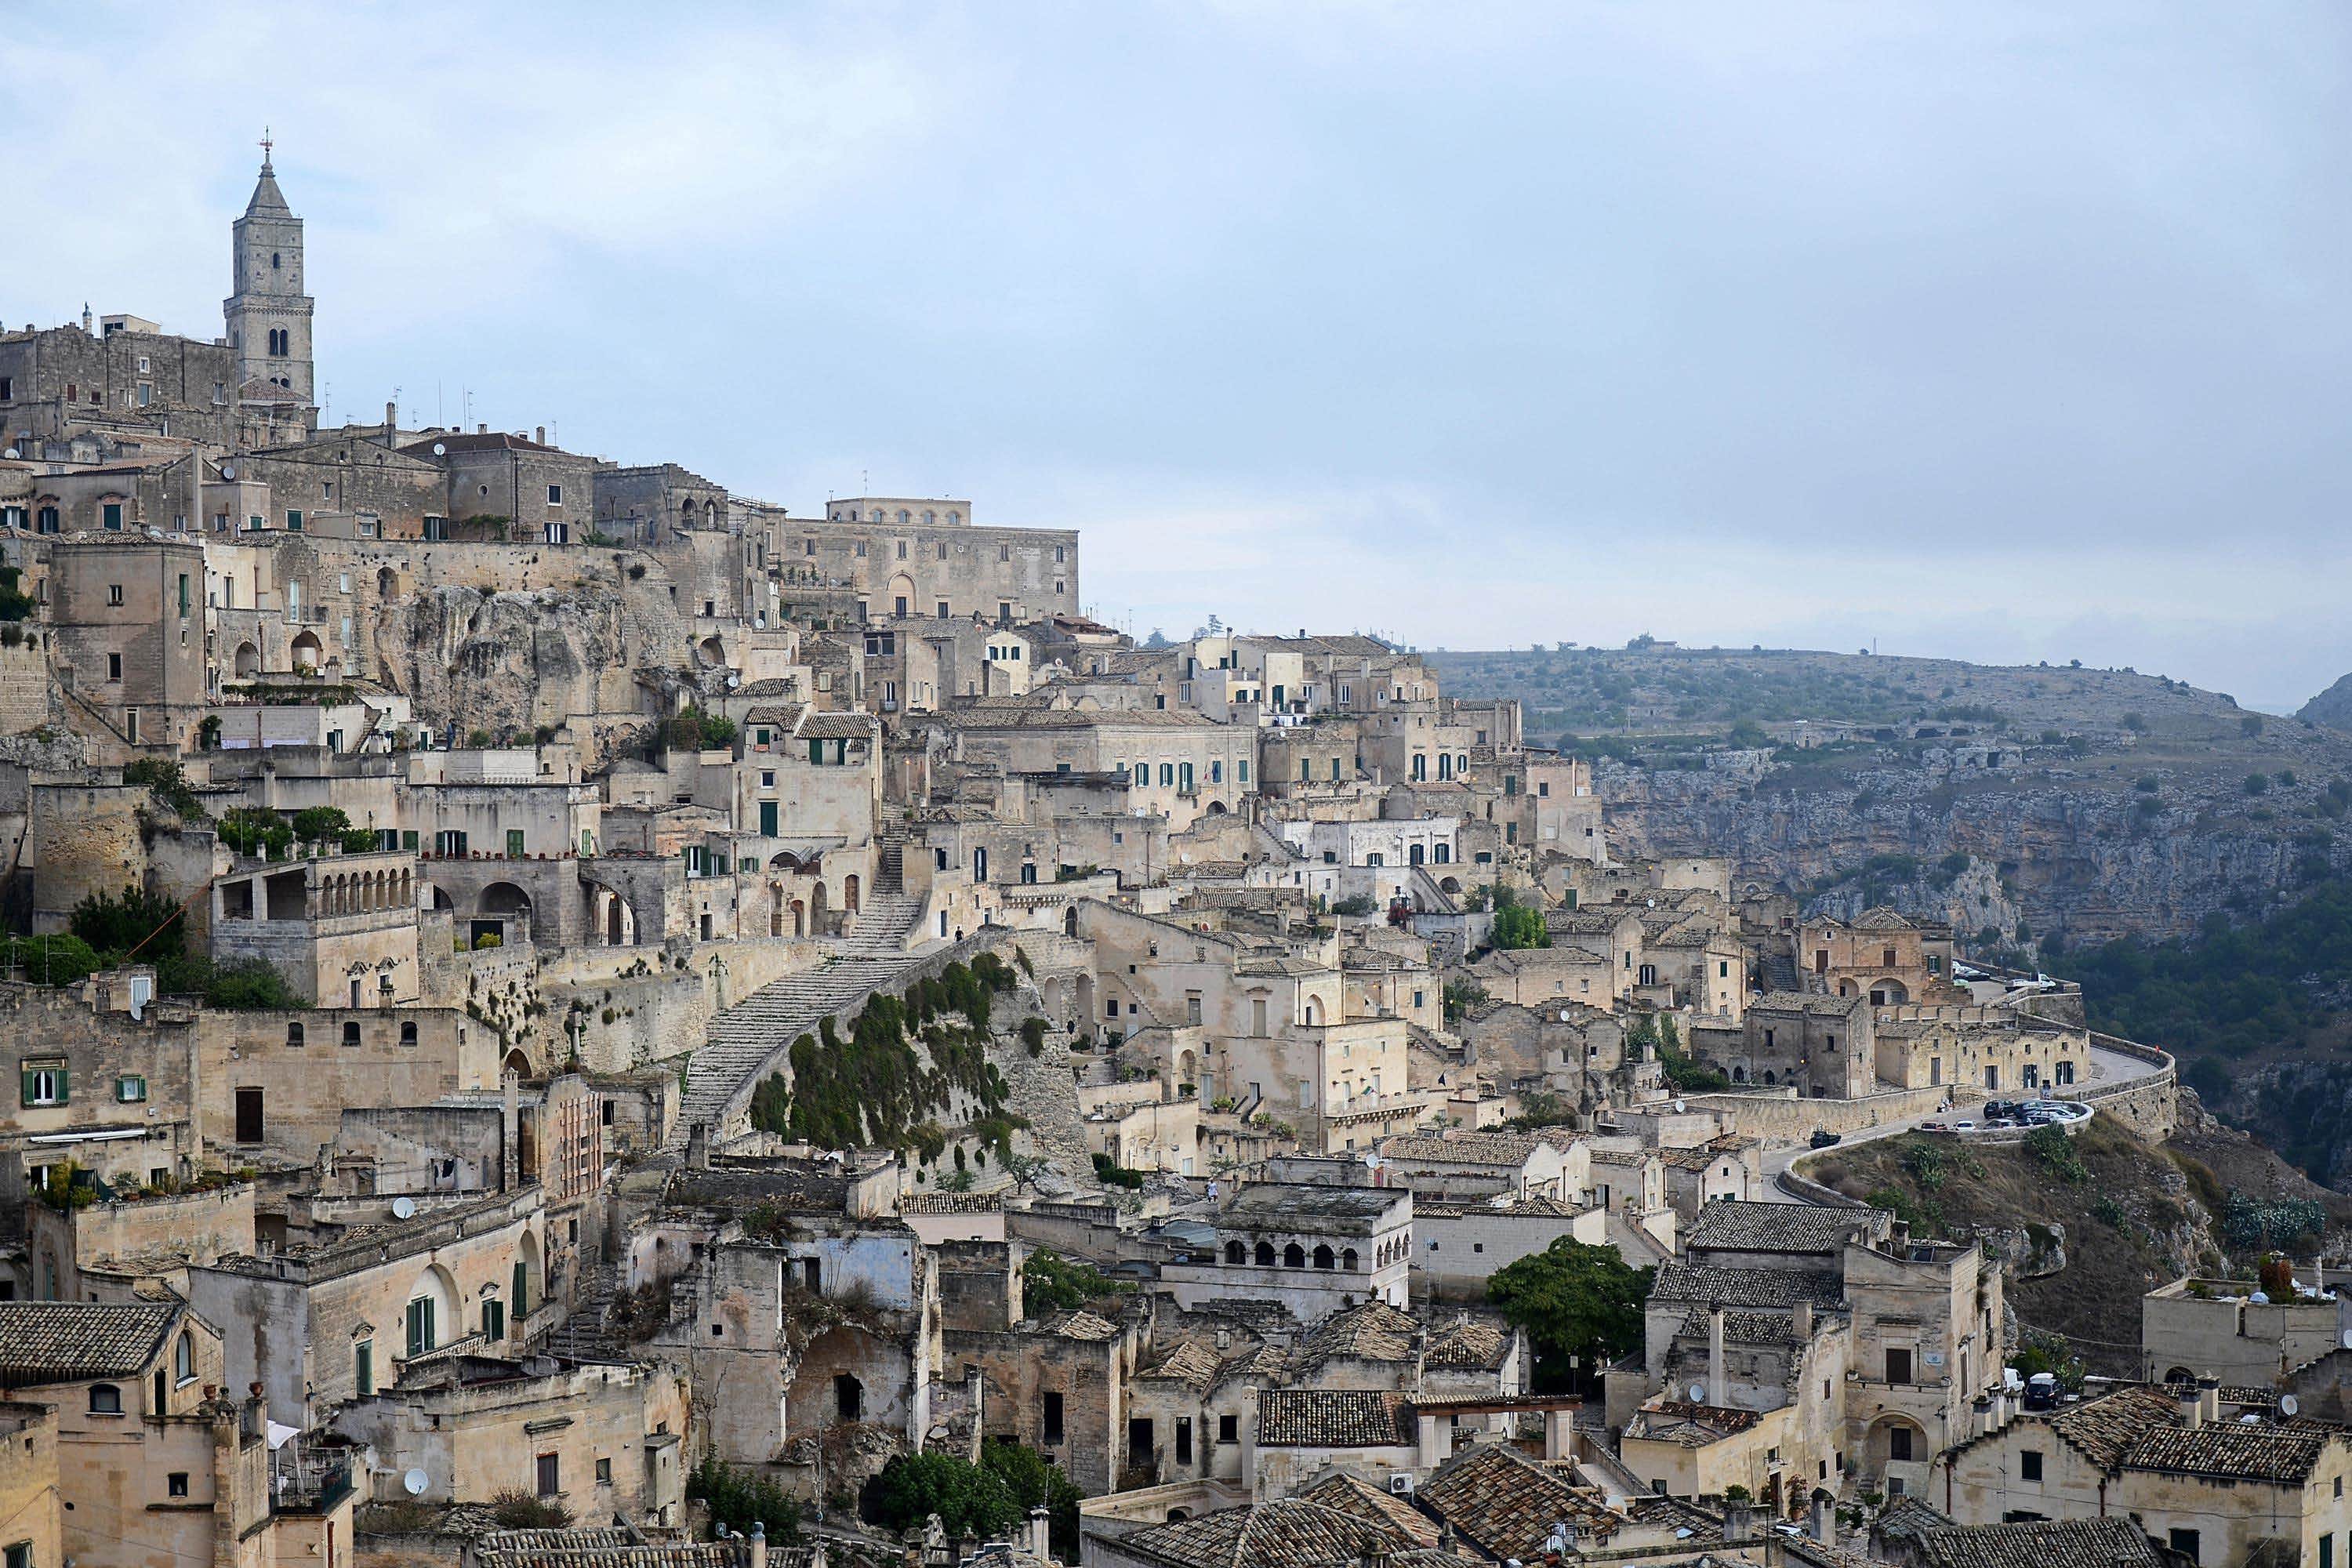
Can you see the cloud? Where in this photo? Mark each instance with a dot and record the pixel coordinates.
(2023, 332)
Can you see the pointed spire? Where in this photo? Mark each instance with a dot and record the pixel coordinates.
(267, 201)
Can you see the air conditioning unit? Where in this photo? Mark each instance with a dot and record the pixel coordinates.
(1401, 1485)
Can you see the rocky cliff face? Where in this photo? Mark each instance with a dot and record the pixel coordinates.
(2332, 707)
(512, 662)
(2045, 851)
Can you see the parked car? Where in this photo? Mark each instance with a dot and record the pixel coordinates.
(2000, 1108)
(1933, 1126)
(2000, 1125)
(1964, 1125)
(1824, 1138)
(2042, 1392)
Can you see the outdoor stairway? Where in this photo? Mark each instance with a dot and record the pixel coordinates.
(739, 1039)
(585, 1335)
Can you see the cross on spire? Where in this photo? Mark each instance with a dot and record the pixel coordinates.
(266, 146)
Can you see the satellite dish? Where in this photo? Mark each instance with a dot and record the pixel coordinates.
(403, 1208)
(413, 1483)
(2289, 1405)
(1698, 1394)
(2345, 1338)
(10, 454)
(1372, 1161)
(1678, 1108)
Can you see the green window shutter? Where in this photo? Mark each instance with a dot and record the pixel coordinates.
(816, 752)
(514, 843)
(64, 1093)
(25, 1087)
(408, 839)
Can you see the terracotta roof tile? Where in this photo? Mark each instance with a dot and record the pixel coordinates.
(65, 1342)
(1334, 1418)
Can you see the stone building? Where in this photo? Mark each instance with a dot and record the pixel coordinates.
(1314, 1249)
(153, 1462)
(2191, 1473)
(127, 622)
(1885, 956)
(1820, 1045)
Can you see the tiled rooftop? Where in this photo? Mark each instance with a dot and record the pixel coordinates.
(2110, 1542)
(65, 1342)
(1289, 1533)
(1507, 1505)
(1732, 1227)
(1679, 1280)
(1334, 1418)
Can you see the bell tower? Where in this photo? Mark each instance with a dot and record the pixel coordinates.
(268, 312)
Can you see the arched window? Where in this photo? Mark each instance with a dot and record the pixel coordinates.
(1293, 1256)
(105, 1399)
(1265, 1253)
(1236, 1253)
(183, 1357)
(1348, 1259)
(1323, 1259)
(273, 262)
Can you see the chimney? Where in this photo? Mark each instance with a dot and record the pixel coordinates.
(1716, 1391)
(2193, 1408)
(1041, 1536)
(539, 434)
(758, 1544)
(481, 430)
(390, 417)
(2209, 1397)
(1822, 1526)
(1801, 1321)
(1224, 1337)
(1739, 1522)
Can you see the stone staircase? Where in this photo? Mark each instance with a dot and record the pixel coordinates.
(740, 1040)
(586, 1333)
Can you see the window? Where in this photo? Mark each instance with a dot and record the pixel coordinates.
(175, 1484)
(363, 1367)
(514, 843)
(2028, 1465)
(114, 593)
(114, 666)
(130, 1089)
(1898, 1444)
(248, 1116)
(550, 1476)
(351, 1029)
(293, 520)
(1053, 1419)
(555, 495)
(604, 1472)
(111, 514)
(408, 1034)
(494, 1318)
(420, 1326)
(20, 1553)
(105, 1399)
(2183, 1542)
(1898, 1365)
(1229, 1428)
(44, 1085)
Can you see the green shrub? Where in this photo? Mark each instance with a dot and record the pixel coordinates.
(969, 1500)
(737, 1499)
(116, 923)
(255, 830)
(1519, 927)
(2056, 1153)
(168, 782)
(1051, 1283)
(59, 959)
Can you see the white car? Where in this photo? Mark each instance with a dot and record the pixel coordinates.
(1964, 1126)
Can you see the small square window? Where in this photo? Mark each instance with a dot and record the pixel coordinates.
(177, 1483)
(555, 495)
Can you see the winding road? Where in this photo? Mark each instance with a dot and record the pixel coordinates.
(2108, 1068)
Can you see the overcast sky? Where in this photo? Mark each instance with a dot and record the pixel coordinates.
(1968, 329)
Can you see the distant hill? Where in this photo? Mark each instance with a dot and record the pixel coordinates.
(2013, 801)
(2332, 707)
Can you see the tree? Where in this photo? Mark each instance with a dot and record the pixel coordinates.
(1573, 1300)
(255, 830)
(968, 1499)
(1036, 1481)
(1051, 1283)
(739, 1500)
(59, 959)
(317, 824)
(116, 923)
(1518, 926)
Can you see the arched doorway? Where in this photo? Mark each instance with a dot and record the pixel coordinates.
(816, 909)
(799, 918)
(518, 1062)
(503, 912)
(387, 584)
(306, 652)
(247, 662)
(714, 651)
(849, 894)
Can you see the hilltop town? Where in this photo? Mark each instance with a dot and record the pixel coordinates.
(569, 1017)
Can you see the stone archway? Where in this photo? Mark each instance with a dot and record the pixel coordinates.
(247, 661)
